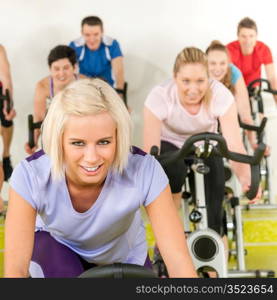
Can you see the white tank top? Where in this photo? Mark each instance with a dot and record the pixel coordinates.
(177, 123)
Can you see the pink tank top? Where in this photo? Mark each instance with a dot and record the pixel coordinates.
(177, 123)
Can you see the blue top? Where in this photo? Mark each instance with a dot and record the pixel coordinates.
(97, 63)
(235, 74)
(111, 230)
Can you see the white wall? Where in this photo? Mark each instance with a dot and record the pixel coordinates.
(151, 33)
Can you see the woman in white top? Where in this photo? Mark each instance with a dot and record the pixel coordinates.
(188, 104)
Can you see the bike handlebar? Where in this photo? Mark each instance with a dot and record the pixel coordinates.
(258, 129)
(261, 80)
(31, 127)
(220, 150)
(123, 92)
(9, 100)
(118, 270)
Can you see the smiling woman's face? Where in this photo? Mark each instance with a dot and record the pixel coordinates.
(89, 145)
(192, 83)
(62, 71)
(218, 64)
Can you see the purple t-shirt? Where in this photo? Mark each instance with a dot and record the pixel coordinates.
(112, 229)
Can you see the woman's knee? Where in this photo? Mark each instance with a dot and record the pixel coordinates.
(53, 259)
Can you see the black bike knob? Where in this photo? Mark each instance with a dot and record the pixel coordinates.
(202, 169)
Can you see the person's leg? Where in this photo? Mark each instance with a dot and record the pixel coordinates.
(52, 259)
(2, 208)
(7, 134)
(175, 172)
(148, 263)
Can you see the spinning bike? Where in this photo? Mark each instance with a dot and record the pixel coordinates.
(205, 245)
(255, 90)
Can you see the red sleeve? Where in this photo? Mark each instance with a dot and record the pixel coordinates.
(265, 54)
(233, 51)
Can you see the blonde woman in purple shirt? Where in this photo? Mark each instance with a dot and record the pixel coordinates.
(87, 186)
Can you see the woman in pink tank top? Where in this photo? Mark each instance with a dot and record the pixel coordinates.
(188, 104)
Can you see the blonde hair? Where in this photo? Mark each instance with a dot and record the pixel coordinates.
(82, 98)
(227, 79)
(193, 55)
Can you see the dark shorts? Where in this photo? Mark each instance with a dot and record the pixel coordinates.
(214, 184)
(57, 260)
(4, 122)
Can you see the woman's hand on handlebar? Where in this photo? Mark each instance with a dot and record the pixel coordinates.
(246, 187)
(8, 115)
(267, 149)
(30, 150)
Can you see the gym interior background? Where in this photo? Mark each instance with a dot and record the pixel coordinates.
(151, 33)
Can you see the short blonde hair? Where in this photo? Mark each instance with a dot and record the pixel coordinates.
(82, 98)
(193, 55)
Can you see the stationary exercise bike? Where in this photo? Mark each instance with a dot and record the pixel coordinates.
(233, 209)
(205, 245)
(264, 165)
(255, 90)
(234, 233)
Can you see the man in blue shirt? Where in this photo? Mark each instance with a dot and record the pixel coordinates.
(99, 55)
